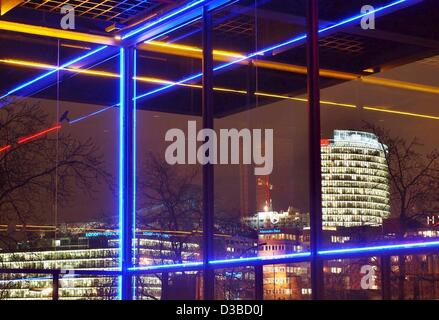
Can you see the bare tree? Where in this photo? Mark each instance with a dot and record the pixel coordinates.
(171, 204)
(414, 185)
(32, 173)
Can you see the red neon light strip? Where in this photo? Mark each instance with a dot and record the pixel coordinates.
(5, 148)
(39, 134)
(32, 137)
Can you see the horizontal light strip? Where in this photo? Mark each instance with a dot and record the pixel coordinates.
(5, 148)
(342, 253)
(400, 84)
(45, 75)
(331, 103)
(262, 258)
(185, 50)
(40, 65)
(39, 134)
(331, 254)
(56, 33)
(416, 245)
(195, 52)
(73, 121)
(272, 48)
(32, 137)
(410, 114)
(178, 266)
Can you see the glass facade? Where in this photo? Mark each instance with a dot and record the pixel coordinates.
(215, 149)
(355, 180)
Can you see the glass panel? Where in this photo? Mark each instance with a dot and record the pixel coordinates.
(415, 277)
(28, 140)
(59, 207)
(169, 191)
(353, 279)
(25, 287)
(261, 182)
(88, 287)
(287, 281)
(235, 284)
(379, 92)
(169, 286)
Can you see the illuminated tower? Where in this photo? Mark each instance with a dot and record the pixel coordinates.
(263, 194)
(355, 182)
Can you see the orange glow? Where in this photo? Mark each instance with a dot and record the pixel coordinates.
(400, 84)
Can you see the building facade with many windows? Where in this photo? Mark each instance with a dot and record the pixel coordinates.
(355, 182)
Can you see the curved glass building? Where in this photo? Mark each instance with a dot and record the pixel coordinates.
(355, 182)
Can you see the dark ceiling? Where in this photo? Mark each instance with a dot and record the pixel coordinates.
(402, 36)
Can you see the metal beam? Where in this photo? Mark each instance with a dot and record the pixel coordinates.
(328, 28)
(259, 282)
(386, 270)
(55, 286)
(208, 169)
(169, 22)
(57, 33)
(7, 5)
(315, 175)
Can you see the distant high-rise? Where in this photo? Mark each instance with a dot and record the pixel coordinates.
(355, 182)
(263, 194)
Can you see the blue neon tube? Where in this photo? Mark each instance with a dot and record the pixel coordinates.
(302, 256)
(121, 165)
(53, 71)
(383, 248)
(296, 39)
(162, 19)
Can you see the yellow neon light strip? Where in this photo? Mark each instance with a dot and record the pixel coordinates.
(411, 114)
(194, 52)
(197, 86)
(56, 33)
(45, 66)
(221, 55)
(400, 84)
(179, 47)
(331, 103)
(7, 5)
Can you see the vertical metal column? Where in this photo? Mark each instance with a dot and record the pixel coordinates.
(208, 169)
(165, 286)
(385, 278)
(259, 282)
(128, 171)
(315, 183)
(55, 285)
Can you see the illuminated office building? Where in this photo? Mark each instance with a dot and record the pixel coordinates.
(82, 250)
(355, 182)
(284, 281)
